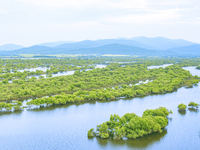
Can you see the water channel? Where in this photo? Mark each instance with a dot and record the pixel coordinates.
(66, 127)
(64, 73)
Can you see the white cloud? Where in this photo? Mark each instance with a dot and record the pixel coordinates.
(113, 4)
(127, 4)
(153, 16)
(3, 12)
(58, 3)
(43, 20)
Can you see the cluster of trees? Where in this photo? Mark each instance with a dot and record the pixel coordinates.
(191, 104)
(182, 106)
(64, 64)
(19, 75)
(96, 84)
(67, 64)
(132, 126)
(166, 80)
(11, 69)
(16, 105)
(198, 67)
(6, 65)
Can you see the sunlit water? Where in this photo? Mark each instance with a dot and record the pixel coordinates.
(66, 127)
(34, 69)
(163, 66)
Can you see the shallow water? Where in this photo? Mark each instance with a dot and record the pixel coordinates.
(192, 70)
(64, 73)
(34, 69)
(65, 127)
(163, 66)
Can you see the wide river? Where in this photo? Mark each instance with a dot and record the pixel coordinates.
(66, 127)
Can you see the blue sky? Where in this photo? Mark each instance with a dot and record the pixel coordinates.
(29, 22)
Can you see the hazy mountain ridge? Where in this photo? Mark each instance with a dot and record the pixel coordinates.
(98, 43)
(106, 49)
(10, 47)
(161, 43)
(54, 44)
(114, 46)
(192, 50)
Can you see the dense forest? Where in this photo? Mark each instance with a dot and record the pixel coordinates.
(120, 77)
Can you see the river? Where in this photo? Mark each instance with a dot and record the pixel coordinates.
(65, 127)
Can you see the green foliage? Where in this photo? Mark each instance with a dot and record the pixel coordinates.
(5, 81)
(167, 80)
(198, 67)
(114, 75)
(132, 126)
(6, 106)
(193, 104)
(182, 106)
(91, 133)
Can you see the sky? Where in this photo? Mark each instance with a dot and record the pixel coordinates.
(29, 22)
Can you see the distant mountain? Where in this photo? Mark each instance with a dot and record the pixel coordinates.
(98, 43)
(54, 44)
(106, 49)
(161, 43)
(192, 50)
(10, 47)
(33, 50)
(112, 49)
(136, 46)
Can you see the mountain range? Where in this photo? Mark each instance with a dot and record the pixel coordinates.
(10, 47)
(145, 46)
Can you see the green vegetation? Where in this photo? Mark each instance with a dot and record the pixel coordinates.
(117, 79)
(182, 107)
(6, 106)
(87, 86)
(16, 105)
(132, 126)
(198, 67)
(193, 104)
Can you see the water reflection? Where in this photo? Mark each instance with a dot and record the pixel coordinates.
(140, 143)
(15, 113)
(182, 112)
(53, 107)
(193, 110)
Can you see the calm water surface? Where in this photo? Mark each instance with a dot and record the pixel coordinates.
(66, 127)
(163, 66)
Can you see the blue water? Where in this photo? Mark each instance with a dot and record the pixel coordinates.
(65, 127)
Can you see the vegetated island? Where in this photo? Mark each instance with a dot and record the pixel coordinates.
(132, 126)
(182, 107)
(198, 67)
(193, 105)
(165, 80)
(118, 79)
(115, 74)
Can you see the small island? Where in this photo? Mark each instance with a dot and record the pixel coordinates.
(182, 107)
(198, 67)
(193, 105)
(132, 126)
